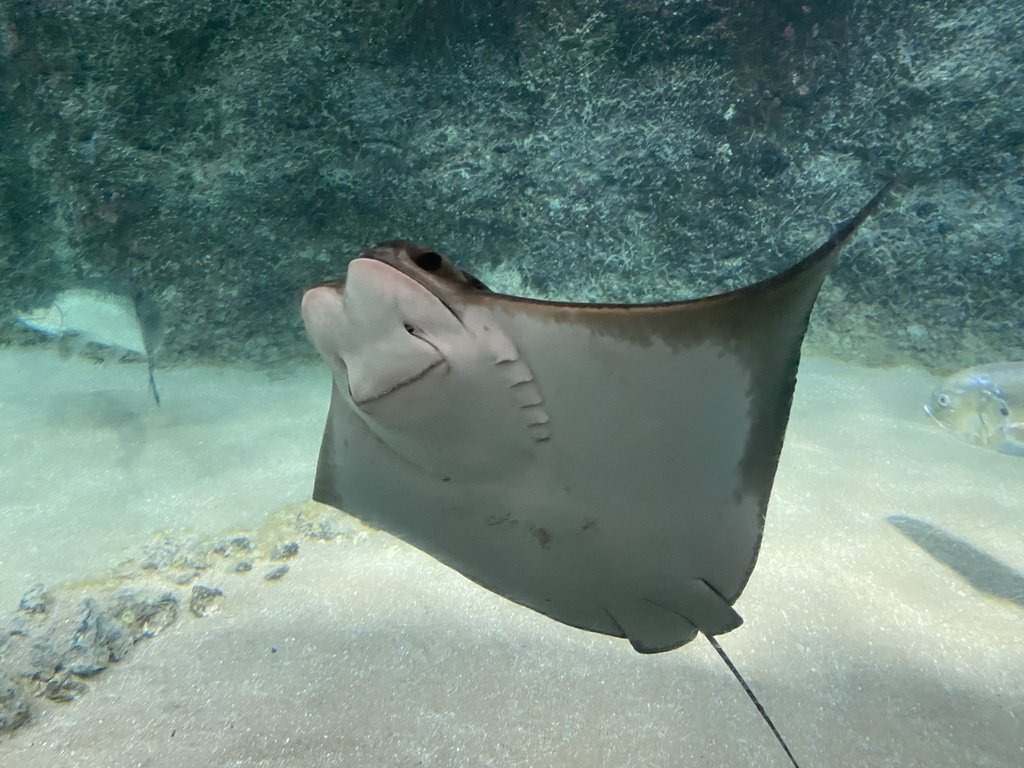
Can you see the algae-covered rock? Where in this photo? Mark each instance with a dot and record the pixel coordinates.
(577, 149)
(97, 641)
(14, 705)
(285, 551)
(178, 558)
(323, 523)
(145, 615)
(238, 545)
(203, 600)
(57, 640)
(76, 640)
(62, 687)
(35, 601)
(276, 574)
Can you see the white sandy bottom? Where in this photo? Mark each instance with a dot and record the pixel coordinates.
(863, 648)
(92, 467)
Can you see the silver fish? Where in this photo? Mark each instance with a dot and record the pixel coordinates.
(984, 406)
(127, 320)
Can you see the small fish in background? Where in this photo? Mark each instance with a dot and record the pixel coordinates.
(127, 320)
(983, 405)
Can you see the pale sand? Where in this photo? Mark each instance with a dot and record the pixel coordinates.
(864, 649)
(92, 467)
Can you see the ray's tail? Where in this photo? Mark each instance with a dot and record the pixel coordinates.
(753, 698)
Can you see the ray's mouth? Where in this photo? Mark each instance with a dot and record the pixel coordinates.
(375, 397)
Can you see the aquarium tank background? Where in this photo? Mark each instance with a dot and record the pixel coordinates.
(188, 168)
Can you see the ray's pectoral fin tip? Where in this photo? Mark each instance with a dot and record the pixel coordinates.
(663, 622)
(711, 612)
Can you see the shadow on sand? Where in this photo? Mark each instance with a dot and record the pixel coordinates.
(983, 571)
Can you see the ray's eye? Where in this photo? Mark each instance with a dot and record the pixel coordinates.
(943, 400)
(428, 262)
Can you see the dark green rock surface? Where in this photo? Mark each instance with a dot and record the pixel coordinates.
(225, 154)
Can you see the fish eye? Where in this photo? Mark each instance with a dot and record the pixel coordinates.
(429, 261)
(943, 400)
(1004, 411)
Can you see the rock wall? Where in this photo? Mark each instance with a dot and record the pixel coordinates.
(223, 155)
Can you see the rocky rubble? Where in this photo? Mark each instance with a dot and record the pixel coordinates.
(61, 639)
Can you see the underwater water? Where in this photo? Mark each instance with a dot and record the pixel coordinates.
(864, 648)
(94, 468)
(173, 176)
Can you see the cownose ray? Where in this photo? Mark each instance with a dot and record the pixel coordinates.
(607, 465)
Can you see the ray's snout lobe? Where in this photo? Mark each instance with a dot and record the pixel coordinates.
(373, 329)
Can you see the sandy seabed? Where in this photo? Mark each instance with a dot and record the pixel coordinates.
(863, 647)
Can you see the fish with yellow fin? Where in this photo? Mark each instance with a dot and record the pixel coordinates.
(983, 405)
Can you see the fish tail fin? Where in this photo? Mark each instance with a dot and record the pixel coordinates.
(152, 384)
